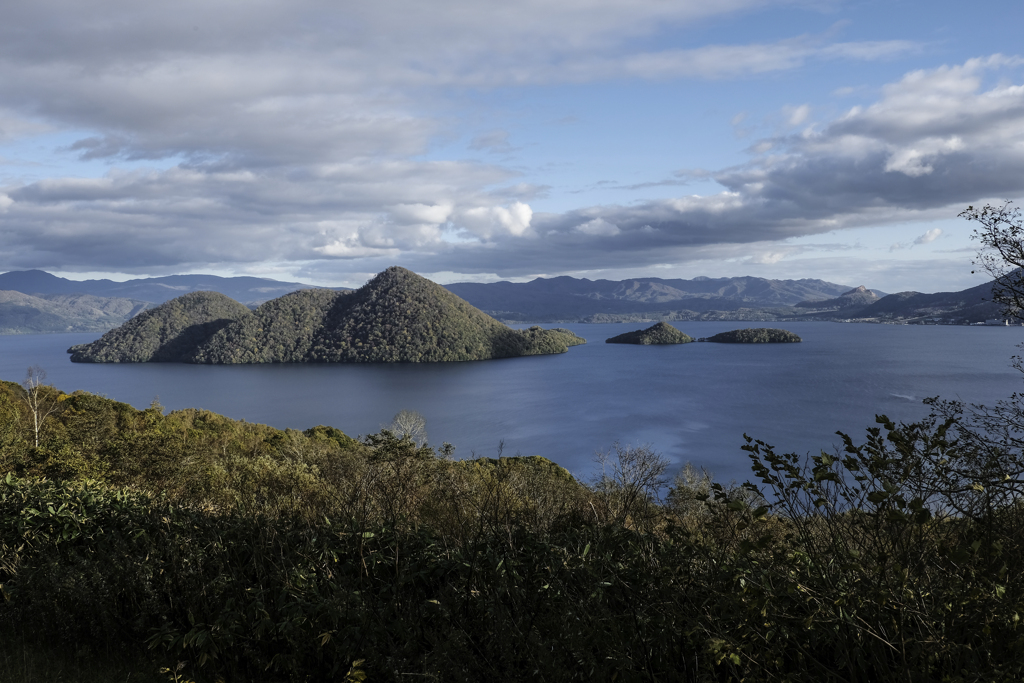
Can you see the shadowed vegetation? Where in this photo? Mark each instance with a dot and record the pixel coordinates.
(132, 540)
(164, 333)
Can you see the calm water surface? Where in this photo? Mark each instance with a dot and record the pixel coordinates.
(693, 402)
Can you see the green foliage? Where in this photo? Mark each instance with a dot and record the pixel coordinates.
(254, 554)
(398, 317)
(659, 333)
(754, 335)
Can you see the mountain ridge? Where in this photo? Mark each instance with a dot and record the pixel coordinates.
(248, 290)
(546, 300)
(54, 313)
(567, 298)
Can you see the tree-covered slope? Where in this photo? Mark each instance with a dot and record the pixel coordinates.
(283, 330)
(170, 332)
(754, 335)
(396, 317)
(659, 333)
(402, 317)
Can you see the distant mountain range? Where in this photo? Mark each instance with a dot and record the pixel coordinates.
(571, 299)
(250, 291)
(26, 314)
(36, 301)
(566, 299)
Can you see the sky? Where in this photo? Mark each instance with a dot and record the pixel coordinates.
(322, 141)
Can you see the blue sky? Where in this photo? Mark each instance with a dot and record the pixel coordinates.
(323, 141)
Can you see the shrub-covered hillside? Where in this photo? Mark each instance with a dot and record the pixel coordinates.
(227, 551)
(397, 317)
(659, 333)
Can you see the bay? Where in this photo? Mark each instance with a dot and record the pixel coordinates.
(691, 402)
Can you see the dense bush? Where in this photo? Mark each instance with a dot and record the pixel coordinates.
(252, 554)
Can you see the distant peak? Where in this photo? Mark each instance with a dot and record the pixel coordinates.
(856, 290)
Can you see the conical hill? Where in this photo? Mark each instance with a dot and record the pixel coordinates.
(659, 333)
(169, 332)
(397, 317)
(401, 317)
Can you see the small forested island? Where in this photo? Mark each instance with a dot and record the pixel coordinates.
(397, 317)
(754, 335)
(659, 333)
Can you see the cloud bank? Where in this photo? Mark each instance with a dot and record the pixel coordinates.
(299, 132)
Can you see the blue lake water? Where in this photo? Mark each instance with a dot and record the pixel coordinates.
(692, 402)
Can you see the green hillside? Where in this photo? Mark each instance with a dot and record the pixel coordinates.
(149, 547)
(283, 330)
(167, 333)
(397, 317)
(659, 333)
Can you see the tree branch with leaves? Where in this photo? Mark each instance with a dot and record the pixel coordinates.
(1002, 253)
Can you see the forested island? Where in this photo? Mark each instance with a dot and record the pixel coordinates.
(754, 335)
(143, 546)
(397, 317)
(659, 333)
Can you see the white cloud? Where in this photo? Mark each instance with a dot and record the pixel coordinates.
(768, 257)
(910, 159)
(598, 226)
(929, 236)
(934, 142)
(721, 61)
(420, 213)
(302, 129)
(492, 222)
(798, 115)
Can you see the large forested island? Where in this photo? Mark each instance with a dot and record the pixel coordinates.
(658, 333)
(397, 317)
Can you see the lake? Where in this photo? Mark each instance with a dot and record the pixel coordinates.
(692, 402)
